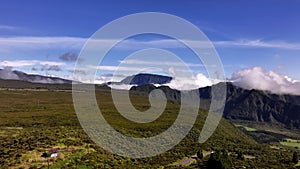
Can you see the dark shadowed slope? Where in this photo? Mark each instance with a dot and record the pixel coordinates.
(247, 105)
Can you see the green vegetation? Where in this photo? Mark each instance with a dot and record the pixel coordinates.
(290, 143)
(33, 122)
(298, 164)
(250, 129)
(200, 154)
(295, 157)
(219, 160)
(240, 156)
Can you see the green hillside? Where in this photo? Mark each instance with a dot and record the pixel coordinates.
(35, 121)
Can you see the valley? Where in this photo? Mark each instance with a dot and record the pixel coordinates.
(33, 122)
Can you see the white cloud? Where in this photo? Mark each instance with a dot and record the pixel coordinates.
(172, 43)
(121, 86)
(11, 44)
(125, 68)
(258, 44)
(143, 62)
(258, 78)
(162, 43)
(24, 63)
(179, 83)
(104, 78)
(188, 83)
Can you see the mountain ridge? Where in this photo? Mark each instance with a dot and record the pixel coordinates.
(246, 105)
(8, 74)
(241, 104)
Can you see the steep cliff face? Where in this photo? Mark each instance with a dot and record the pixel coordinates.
(247, 105)
(262, 106)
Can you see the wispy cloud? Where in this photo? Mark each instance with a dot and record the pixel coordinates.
(7, 27)
(172, 43)
(245, 43)
(258, 44)
(24, 63)
(125, 68)
(143, 62)
(55, 68)
(11, 44)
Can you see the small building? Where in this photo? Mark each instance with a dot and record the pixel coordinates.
(53, 152)
(54, 155)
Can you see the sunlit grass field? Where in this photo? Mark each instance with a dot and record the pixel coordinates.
(291, 143)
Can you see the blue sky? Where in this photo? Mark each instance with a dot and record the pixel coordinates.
(42, 36)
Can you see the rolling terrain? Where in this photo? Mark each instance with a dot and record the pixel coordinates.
(246, 105)
(40, 117)
(36, 121)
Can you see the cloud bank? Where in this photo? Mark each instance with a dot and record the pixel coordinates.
(251, 78)
(198, 81)
(24, 63)
(258, 78)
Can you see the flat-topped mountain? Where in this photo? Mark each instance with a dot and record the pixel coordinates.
(144, 78)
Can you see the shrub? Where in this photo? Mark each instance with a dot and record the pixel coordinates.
(219, 160)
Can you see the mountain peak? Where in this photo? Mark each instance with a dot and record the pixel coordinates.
(8, 74)
(145, 78)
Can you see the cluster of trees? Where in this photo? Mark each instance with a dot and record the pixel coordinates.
(219, 160)
(295, 157)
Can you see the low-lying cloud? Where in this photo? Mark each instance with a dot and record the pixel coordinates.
(104, 78)
(24, 63)
(258, 78)
(188, 83)
(55, 68)
(7, 73)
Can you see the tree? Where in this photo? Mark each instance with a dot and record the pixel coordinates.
(46, 155)
(295, 157)
(219, 160)
(240, 156)
(200, 154)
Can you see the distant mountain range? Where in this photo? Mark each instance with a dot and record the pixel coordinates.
(241, 104)
(17, 75)
(245, 105)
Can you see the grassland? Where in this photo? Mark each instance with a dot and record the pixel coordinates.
(298, 164)
(291, 142)
(35, 121)
(247, 128)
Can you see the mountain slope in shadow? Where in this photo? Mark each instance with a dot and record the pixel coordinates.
(243, 104)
